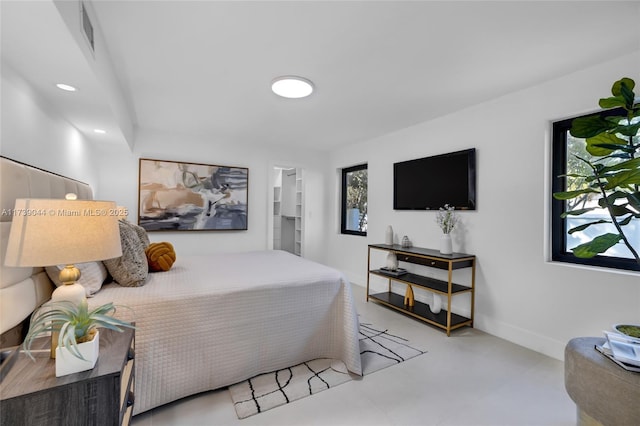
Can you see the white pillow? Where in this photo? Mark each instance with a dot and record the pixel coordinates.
(92, 276)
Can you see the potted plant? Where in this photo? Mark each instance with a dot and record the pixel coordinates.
(77, 328)
(610, 179)
(447, 221)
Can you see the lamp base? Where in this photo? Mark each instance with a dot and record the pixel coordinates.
(70, 291)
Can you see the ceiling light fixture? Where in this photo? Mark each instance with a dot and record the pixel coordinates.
(99, 131)
(292, 87)
(65, 87)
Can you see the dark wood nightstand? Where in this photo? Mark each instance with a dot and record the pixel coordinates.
(31, 394)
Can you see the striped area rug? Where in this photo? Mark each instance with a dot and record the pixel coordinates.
(378, 348)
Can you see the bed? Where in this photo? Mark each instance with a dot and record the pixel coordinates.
(210, 321)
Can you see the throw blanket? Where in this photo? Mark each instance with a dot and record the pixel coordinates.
(212, 321)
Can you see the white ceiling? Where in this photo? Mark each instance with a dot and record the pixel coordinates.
(204, 68)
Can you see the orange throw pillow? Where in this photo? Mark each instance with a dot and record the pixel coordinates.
(160, 256)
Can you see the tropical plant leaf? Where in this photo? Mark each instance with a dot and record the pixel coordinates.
(586, 225)
(616, 196)
(615, 210)
(626, 90)
(568, 195)
(616, 89)
(616, 147)
(577, 212)
(598, 245)
(623, 178)
(574, 175)
(627, 129)
(629, 165)
(604, 144)
(626, 220)
(588, 127)
(613, 102)
(634, 200)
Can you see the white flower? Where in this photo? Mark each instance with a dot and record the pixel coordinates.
(446, 218)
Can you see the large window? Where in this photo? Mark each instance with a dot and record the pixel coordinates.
(572, 230)
(354, 200)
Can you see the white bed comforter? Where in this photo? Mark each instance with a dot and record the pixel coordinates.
(212, 321)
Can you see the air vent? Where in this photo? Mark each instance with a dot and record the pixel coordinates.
(87, 27)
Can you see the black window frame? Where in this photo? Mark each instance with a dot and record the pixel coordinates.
(343, 205)
(558, 184)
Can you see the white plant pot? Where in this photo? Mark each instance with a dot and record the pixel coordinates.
(446, 246)
(67, 363)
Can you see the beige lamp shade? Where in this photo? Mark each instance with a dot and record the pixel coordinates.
(48, 232)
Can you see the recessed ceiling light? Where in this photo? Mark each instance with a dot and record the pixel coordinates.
(65, 87)
(99, 131)
(291, 86)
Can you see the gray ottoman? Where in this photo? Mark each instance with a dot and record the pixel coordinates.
(604, 392)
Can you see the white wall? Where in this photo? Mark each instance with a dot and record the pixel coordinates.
(34, 133)
(520, 296)
(119, 181)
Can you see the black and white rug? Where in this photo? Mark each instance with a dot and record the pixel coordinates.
(378, 348)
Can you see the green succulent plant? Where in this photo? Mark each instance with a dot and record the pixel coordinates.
(612, 174)
(74, 323)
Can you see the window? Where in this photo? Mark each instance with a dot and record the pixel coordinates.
(354, 200)
(566, 170)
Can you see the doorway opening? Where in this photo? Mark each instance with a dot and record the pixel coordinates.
(288, 209)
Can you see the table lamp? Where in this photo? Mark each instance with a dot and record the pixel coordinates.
(46, 232)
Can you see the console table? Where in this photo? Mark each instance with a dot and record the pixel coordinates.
(31, 394)
(445, 319)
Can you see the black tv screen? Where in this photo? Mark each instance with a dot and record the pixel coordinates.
(431, 182)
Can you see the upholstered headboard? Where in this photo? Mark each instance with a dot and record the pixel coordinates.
(24, 289)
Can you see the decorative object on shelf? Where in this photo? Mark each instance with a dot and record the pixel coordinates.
(388, 238)
(446, 246)
(394, 273)
(612, 187)
(436, 304)
(63, 232)
(409, 299)
(447, 220)
(406, 242)
(74, 324)
(392, 261)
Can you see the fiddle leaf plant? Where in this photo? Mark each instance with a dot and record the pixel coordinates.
(74, 323)
(611, 177)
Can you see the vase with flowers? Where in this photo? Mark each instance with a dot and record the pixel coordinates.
(447, 221)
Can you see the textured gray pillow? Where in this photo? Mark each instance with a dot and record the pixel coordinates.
(131, 269)
(142, 234)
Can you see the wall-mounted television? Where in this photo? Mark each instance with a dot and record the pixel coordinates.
(431, 182)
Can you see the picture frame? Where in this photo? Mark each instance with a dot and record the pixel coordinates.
(180, 196)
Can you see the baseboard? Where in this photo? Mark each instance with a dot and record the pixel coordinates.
(522, 337)
(526, 338)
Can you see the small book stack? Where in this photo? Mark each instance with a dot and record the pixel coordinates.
(394, 272)
(622, 349)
